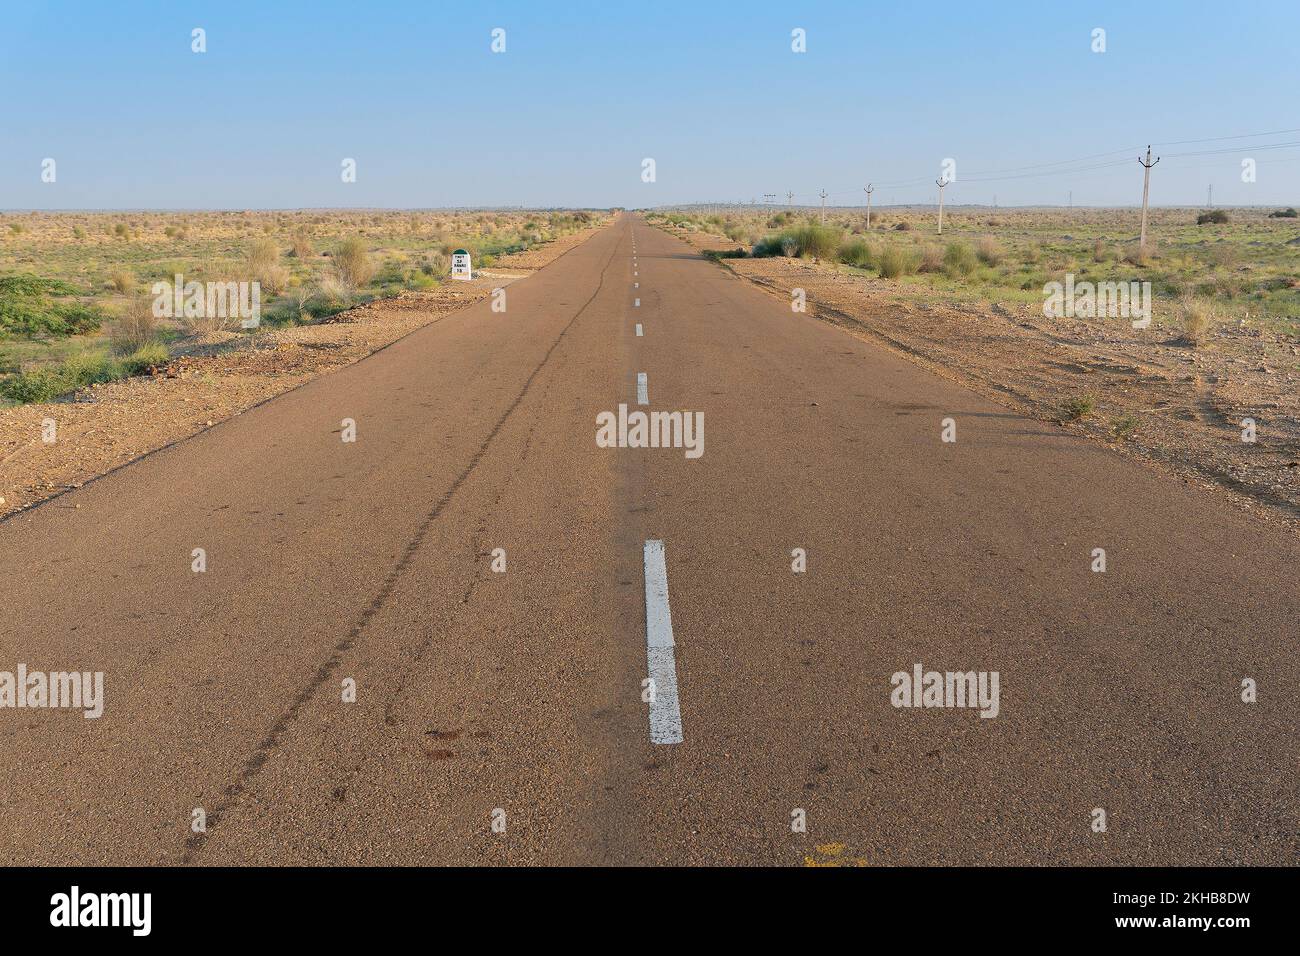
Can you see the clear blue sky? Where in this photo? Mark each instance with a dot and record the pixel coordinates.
(584, 91)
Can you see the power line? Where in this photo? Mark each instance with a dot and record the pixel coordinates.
(1052, 168)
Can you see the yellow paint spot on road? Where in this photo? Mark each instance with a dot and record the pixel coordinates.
(832, 854)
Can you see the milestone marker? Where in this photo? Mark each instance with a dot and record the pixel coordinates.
(460, 268)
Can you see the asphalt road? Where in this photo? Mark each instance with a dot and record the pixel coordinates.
(521, 691)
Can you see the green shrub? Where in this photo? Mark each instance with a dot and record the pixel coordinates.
(1288, 213)
(1123, 428)
(1077, 408)
(768, 246)
(1214, 217)
(819, 242)
(856, 252)
(47, 384)
(26, 310)
(959, 260)
(895, 262)
(145, 358)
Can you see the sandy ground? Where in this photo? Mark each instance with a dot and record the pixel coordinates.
(106, 426)
(1189, 402)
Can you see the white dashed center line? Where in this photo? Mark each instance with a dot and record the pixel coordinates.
(642, 389)
(637, 304)
(665, 711)
(638, 328)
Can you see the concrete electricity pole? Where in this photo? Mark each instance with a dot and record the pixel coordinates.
(941, 182)
(823, 206)
(1146, 190)
(789, 200)
(869, 189)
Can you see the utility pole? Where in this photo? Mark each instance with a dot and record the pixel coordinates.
(941, 182)
(823, 206)
(869, 189)
(1209, 199)
(789, 200)
(1071, 199)
(1146, 190)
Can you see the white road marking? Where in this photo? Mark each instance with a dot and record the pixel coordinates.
(638, 328)
(665, 711)
(642, 389)
(637, 304)
(636, 285)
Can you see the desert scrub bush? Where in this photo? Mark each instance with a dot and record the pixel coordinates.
(26, 309)
(47, 384)
(1138, 256)
(1077, 407)
(332, 295)
(931, 259)
(78, 232)
(145, 359)
(1215, 217)
(819, 242)
(959, 260)
(1123, 428)
(856, 252)
(300, 246)
(895, 262)
(988, 251)
(1223, 254)
(1195, 317)
(122, 230)
(1288, 213)
(436, 265)
(263, 261)
(135, 328)
(773, 246)
(122, 281)
(1099, 253)
(16, 228)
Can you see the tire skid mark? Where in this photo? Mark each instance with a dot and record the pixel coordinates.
(195, 843)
